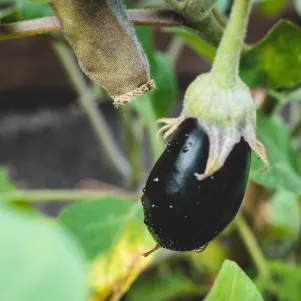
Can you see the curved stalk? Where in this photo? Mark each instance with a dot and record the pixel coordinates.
(251, 245)
(90, 109)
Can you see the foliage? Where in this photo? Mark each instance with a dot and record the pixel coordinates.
(92, 250)
(112, 234)
(284, 171)
(233, 284)
(266, 64)
(40, 260)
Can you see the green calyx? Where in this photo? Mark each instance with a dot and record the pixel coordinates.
(206, 100)
(220, 100)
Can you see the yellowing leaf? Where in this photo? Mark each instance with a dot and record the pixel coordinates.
(117, 269)
(113, 235)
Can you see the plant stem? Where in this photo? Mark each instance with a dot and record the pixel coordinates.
(226, 64)
(143, 17)
(133, 136)
(157, 144)
(62, 195)
(90, 108)
(209, 29)
(174, 50)
(206, 25)
(252, 246)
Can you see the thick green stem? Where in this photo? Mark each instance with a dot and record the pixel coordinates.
(209, 29)
(226, 64)
(252, 246)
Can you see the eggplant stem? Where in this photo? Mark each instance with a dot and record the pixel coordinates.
(225, 67)
(155, 248)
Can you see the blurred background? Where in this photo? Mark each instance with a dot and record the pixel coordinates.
(47, 142)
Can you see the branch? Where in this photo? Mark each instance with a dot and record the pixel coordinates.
(62, 195)
(139, 17)
(90, 109)
(252, 246)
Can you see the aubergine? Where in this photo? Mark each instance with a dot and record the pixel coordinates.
(181, 212)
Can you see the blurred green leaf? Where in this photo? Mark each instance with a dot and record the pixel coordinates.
(284, 214)
(191, 38)
(113, 235)
(275, 61)
(27, 11)
(6, 184)
(164, 96)
(298, 6)
(163, 288)
(285, 96)
(39, 1)
(6, 12)
(272, 7)
(144, 107)
(158, 102)
(144, 35)
(232, 284)
(98, 223)
(222, 5)
(211, 259)
(38, 261)
(285, 282)
(284, 169)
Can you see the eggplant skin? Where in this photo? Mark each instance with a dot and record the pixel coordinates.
(181, 212)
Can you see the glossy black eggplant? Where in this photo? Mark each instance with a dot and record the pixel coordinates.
(181, 212)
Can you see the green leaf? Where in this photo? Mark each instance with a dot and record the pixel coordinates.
(298, 6)
(284, 214)
(144, 36)
(272, 7)
(38, 261)
(113, 236)
(222, 5)
(39, 1)
(27, 11)
(163, 288)
(98, 223)
(275, 61)
(285, 282)
(211, 259)
(157, 103)
(144, 107)
(232, 284)
(164, 96)
(7, 12)
(191, 38)
(5, 183)
(284, 169)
